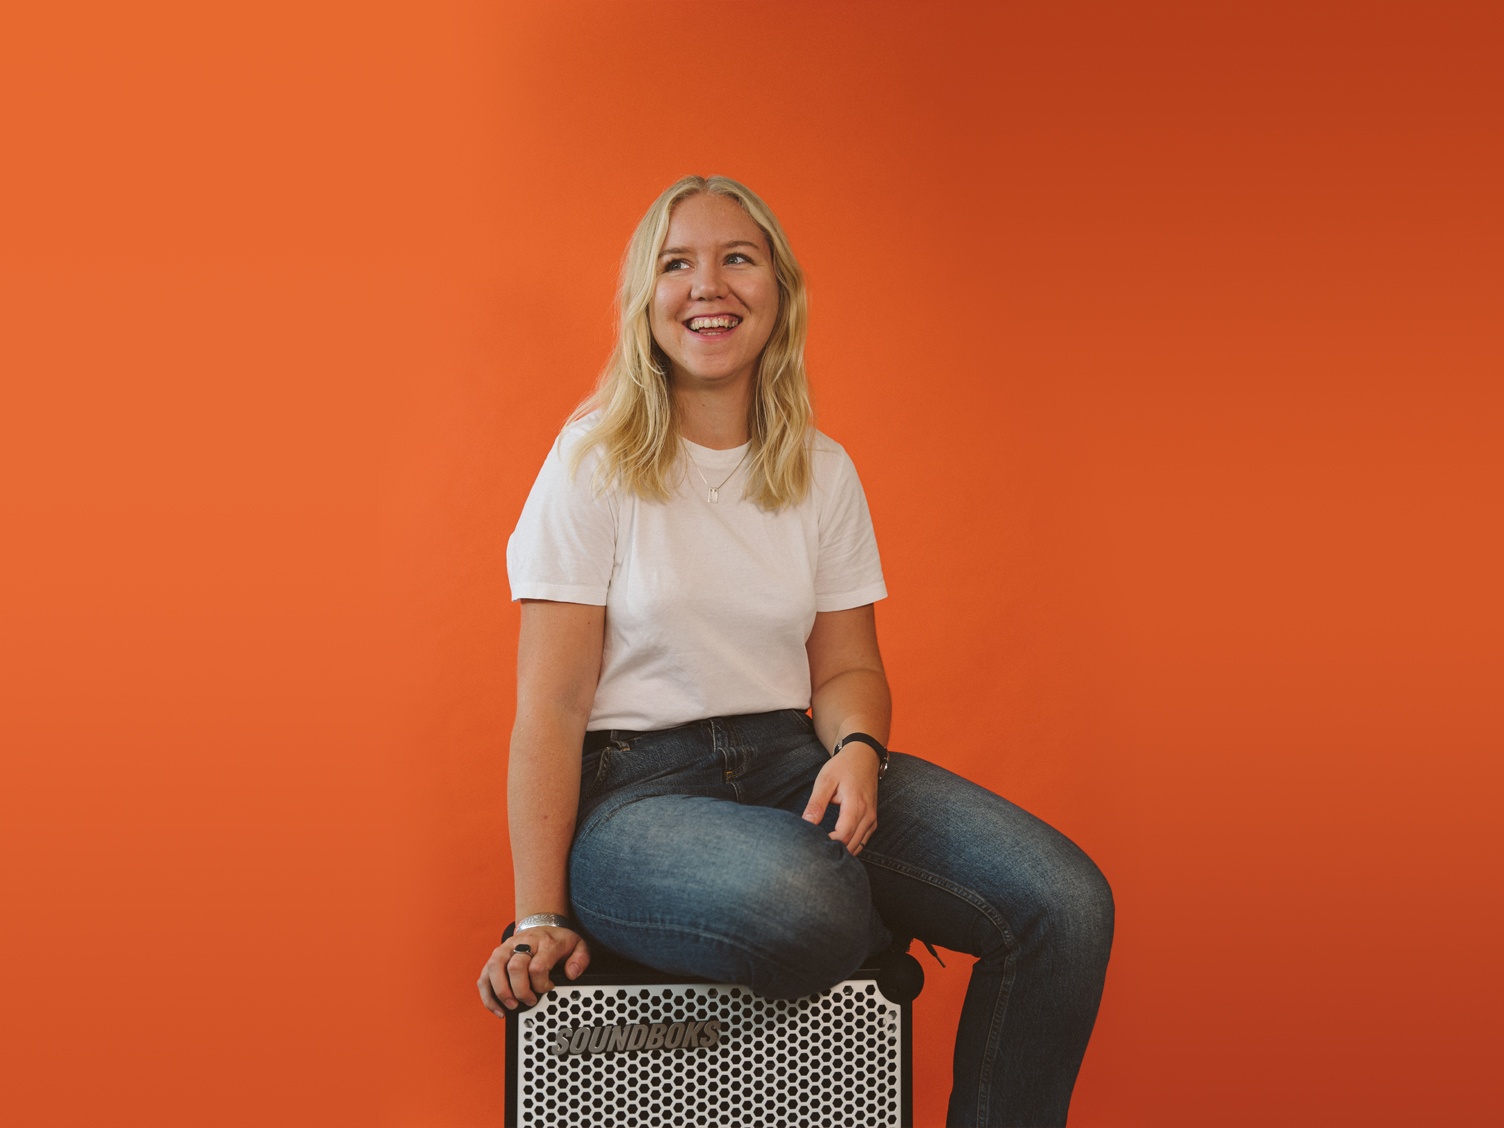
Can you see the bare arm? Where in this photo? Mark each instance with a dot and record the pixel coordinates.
(558, 664)
(849, 693)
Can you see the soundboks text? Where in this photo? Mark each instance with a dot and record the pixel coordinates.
(630, 1036)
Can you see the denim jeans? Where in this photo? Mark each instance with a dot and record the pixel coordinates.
(691, 857)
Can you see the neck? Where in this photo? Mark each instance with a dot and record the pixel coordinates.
(714, 419)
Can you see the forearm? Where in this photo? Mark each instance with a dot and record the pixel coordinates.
(855, 700)
(543, 789)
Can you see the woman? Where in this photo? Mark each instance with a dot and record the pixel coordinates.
(697, 568)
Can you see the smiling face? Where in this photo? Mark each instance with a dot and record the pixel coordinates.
(715, 301)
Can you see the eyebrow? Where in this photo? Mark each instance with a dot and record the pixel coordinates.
(724, 247)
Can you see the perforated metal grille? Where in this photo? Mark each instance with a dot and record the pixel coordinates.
(828, 1060)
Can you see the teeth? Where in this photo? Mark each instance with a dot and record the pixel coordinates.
(698, 323)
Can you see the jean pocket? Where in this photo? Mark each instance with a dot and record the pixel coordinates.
(595, 768)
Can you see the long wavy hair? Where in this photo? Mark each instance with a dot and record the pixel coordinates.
(638, 430)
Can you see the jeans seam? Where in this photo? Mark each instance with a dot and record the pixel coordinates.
(1000, 1007)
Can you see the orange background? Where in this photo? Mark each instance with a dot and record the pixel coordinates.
(1166, 337)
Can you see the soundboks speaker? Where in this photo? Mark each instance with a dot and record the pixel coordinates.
(627, 1047)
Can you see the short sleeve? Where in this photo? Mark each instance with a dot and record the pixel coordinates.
(848, 571)
(565, 542)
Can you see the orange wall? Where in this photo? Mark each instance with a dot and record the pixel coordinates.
(1166, 336)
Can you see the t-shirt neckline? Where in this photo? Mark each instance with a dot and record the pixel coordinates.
(709, 456)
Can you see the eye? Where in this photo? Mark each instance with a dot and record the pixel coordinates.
(674, 264)
(734, 255)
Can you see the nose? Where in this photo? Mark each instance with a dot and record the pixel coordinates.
(709, 282)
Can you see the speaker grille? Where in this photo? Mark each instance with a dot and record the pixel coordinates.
(833, 1059)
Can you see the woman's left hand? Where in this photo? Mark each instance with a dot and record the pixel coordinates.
(848, 780)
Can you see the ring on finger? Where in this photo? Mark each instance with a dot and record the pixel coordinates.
(523, 950)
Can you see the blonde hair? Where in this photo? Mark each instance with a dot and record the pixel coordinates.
(638, 430)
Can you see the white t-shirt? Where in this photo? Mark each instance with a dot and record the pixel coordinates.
(708, 605)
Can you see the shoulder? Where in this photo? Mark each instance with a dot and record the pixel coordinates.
(572, 456)
(821, 443)
(568, 480)
(575, 434)
(829, 462)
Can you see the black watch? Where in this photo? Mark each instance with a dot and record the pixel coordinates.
(863, 738)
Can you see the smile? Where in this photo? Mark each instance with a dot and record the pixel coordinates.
(713, 326)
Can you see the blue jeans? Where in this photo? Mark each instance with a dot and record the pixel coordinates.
(691, 857)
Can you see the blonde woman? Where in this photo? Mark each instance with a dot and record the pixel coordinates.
(698, 778)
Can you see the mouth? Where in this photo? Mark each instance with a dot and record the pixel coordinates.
(716, 326)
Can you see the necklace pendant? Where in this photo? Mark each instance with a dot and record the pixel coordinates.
(715, 494)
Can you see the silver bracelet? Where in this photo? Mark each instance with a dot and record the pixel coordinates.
(545, 920)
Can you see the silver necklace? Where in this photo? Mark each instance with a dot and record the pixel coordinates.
(714, 496)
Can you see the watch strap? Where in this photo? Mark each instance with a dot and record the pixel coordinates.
(872, 742)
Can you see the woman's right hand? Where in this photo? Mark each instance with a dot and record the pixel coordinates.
(510, 976)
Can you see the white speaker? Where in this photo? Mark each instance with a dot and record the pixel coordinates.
(627, 1047)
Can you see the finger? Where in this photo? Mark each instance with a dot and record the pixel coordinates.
(864, 834)
(853, 813)
(579, 960)
(844, 833)
(859, 839)
(517, 969)
(546, 953)
(496, 979)
(863, 831)
(540, 978)
(487, 995)
(819, 799)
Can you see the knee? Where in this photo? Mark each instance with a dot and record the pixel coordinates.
(1077, 914)
(1087, 904)
(809, 928)
(1060, 904)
